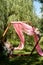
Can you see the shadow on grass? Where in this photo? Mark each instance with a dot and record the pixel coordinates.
(35, 59)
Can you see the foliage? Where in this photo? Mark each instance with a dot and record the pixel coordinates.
(39, 1)
(41, 25)
(15, 10)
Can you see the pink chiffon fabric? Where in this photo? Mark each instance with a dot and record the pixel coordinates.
(21, 27)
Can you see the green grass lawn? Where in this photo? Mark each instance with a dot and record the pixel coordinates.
(34, 59)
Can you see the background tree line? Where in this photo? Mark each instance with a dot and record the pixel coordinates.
(17, 10)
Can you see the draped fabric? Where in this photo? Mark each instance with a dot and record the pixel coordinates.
(21, 27)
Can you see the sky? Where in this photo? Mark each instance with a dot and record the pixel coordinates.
(37, 6)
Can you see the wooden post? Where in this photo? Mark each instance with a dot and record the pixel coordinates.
(6, 29)
(35, 45)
